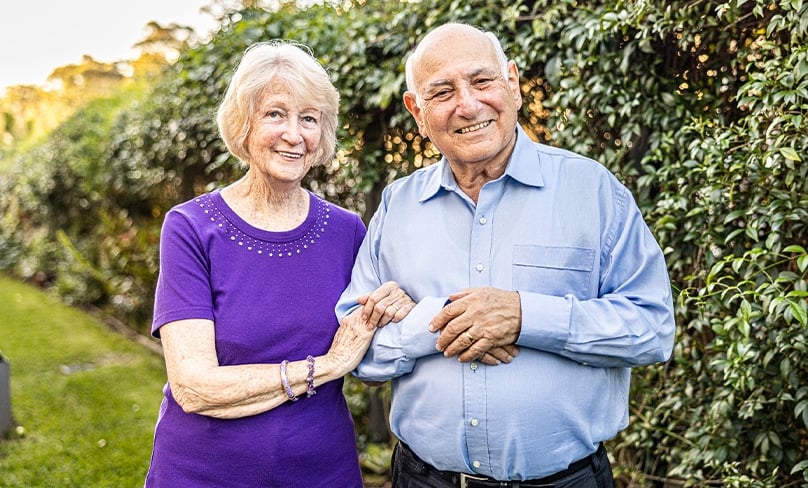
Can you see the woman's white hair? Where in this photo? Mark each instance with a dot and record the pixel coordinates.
(292, 64)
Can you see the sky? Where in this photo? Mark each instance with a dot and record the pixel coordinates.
(38, 36)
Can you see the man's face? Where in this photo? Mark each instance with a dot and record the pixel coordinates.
(465, 105)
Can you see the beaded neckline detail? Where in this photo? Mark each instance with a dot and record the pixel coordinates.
(274, 245)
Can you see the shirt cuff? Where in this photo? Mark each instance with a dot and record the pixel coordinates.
(545, 322)
(416, 339)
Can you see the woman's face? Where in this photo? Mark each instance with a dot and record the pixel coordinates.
(284, 137)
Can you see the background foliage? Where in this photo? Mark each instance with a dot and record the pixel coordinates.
(699, 106)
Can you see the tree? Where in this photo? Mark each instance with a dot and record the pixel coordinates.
(167, 41)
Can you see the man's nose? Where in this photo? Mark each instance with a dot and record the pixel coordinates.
(468, 104)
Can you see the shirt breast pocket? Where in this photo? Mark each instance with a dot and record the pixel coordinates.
(551, 270)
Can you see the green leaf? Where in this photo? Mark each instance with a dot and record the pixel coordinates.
(801, 410)
(734, 215)
(799, 313)
(790, 153)
(802, 263)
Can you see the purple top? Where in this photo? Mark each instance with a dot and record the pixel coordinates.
(271, 296)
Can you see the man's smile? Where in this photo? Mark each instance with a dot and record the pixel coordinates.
(475, 127)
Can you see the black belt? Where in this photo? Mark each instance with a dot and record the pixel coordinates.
(464, 480)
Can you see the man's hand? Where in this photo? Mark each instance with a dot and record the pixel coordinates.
(388, 303)
(480, 324)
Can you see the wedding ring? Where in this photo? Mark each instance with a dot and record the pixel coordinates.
(469, 337)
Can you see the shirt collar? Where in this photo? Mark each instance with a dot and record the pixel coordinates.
(524, 167)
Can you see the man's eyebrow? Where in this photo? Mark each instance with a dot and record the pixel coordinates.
(483, 71)
(471, 74)
(438, 83)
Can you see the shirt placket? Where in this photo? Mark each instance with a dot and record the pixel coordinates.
(475, 391)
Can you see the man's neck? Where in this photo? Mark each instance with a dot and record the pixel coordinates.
(471, 177)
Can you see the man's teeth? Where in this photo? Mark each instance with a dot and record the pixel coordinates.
(479, 126)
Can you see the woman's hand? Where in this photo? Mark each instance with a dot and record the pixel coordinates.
(349, 345)
(388, 303)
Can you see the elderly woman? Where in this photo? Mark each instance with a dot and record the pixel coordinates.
(244, 306)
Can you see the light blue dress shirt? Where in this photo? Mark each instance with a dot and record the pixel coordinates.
(596, 300)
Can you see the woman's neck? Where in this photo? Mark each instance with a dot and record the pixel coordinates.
(267, 206)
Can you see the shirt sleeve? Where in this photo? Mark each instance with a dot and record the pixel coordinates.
(396, 346)
(183, 285)
(630, 322)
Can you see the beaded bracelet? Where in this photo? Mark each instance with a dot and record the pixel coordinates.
(310, 378)
(285, 382)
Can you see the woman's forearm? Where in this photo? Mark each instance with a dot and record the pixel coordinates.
(238, 391)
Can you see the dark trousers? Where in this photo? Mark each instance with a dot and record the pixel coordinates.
(409, 471)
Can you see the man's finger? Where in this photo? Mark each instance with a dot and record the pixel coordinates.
(445, 316)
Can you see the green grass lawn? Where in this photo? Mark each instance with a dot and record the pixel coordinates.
(84, 399)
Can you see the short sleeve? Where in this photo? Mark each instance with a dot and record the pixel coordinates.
(183, 285)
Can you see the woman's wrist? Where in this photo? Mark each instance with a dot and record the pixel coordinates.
(287, 388)
(310, 363)
(299, 378)
(328, 369)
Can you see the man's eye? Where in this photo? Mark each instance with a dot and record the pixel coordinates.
(441, 95)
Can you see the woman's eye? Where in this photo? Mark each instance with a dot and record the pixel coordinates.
(274, 114)
(309, 119)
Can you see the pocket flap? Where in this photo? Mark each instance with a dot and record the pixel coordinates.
(573, 258)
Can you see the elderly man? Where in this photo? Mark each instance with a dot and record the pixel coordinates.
(537, 286)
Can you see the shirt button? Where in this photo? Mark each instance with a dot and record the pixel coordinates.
(473, 366)
(476, 464)
(483, 220)
(475, 422)
(479, 267)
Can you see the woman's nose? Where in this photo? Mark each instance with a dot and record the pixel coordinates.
(292, 131)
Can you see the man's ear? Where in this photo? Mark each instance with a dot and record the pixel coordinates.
(513, 82)
(411, 102)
